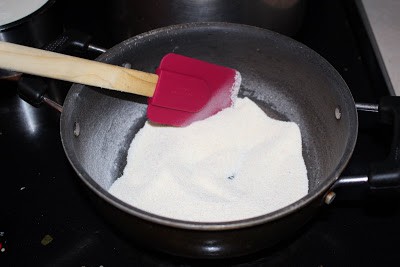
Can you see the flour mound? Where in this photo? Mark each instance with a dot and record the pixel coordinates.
(234, 165)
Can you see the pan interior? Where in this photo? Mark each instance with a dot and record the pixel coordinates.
(286, 79)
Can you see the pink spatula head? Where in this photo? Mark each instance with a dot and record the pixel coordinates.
(189, 90)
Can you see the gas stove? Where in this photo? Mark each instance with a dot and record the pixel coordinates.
(46, 218)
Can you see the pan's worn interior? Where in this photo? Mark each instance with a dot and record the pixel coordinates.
(286, 79)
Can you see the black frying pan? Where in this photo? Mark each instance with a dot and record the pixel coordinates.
(286, 79)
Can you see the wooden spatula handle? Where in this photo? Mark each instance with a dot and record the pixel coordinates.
(67, 68)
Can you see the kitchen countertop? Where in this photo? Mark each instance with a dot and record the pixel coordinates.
(382, 22)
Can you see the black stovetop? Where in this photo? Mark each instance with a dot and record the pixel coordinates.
(46, 218)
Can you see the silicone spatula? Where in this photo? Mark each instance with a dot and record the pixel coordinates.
(182, 91)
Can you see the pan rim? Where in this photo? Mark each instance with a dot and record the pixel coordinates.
(214, 226)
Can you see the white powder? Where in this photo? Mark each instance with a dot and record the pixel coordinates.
(235, 87)
(234, 165)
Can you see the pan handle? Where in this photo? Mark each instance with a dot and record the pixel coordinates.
(386, 174)
(74, 41)
(33, 89)
(383, 174)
